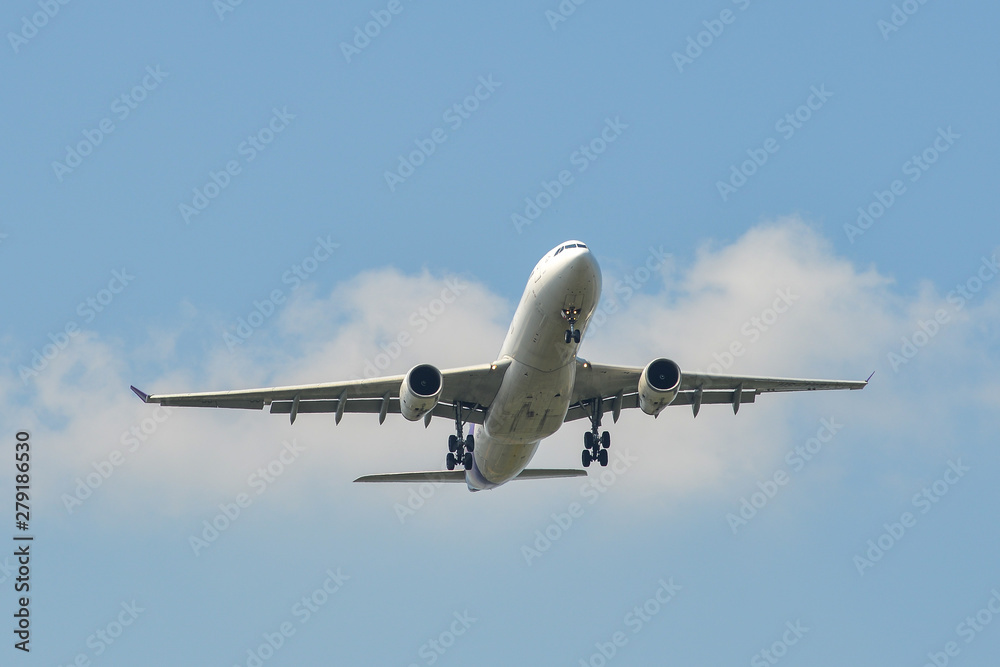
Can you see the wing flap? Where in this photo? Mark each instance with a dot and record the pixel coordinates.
(761, 385)
(580, 411)
(373, 406)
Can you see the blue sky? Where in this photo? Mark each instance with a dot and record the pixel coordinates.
(747, 164)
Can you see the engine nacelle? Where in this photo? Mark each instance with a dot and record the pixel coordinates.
(658, 385)
(420, 391)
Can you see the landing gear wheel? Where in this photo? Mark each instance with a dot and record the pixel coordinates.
(586, 458)
(450, 461)
(569, 336)
(467, 461)
(470, 442)
(602, 457)
(588, 440)
(452, 444)
(576, 336)
(605, 440)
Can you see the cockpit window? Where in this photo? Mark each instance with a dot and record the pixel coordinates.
(568, 246)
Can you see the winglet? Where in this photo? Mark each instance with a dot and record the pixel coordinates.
(142, 395)
(870, 377)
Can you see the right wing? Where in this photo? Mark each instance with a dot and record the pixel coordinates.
(616, 388)
(471, 389)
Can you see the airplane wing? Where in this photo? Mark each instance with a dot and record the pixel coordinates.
(615, 388)
(471, 389)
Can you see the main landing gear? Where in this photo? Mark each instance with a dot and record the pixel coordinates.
(596, 443)
(570, 315)
(460, 447)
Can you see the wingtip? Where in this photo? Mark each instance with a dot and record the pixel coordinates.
(870, 377)
(143, 396)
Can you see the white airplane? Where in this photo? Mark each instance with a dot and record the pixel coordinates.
(537, 384)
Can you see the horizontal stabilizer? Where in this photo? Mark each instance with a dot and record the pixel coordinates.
(428, 476)
(550, 473)
(459, 475)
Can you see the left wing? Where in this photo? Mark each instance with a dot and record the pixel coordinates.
(616, 388)
(471, 389)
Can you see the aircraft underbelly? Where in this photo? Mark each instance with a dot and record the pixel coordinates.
(531, 405)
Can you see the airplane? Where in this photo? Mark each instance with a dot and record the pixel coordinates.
(536, 384)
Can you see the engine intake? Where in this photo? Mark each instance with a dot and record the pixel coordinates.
(658, 385)
(420, 391)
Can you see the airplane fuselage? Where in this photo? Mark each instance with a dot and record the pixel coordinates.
(536, 390)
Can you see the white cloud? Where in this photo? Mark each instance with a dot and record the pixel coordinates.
(841, 323)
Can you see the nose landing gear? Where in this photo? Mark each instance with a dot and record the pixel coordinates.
(570, 315)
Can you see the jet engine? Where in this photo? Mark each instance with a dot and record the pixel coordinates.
(420, 391)
(658, 385)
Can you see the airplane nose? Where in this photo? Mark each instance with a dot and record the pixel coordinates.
(583, 269)
(584, 262)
